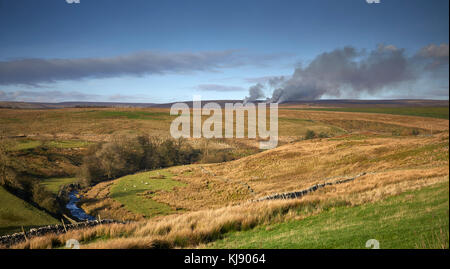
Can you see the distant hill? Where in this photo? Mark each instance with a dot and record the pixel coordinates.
(370, 103)
(36, 105)
(306, 103)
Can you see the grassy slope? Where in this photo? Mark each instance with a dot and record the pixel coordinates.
(350, 161)
(417, 219)
(54, 184)
(290, 167)
(433, 112)
(76, 126)
(67, 144)
(15, 213)
(136, 191)
(26, 144)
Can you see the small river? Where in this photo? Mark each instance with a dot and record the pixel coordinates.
(75, 210)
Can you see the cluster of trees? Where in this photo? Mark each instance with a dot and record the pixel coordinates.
(126, 155)
(103, 161)
(310, 134)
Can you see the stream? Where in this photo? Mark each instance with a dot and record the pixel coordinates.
(75, 210)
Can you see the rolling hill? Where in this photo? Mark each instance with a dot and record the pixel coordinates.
(16, 213)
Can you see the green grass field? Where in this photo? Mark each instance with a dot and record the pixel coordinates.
(433, 112)
(417, 219)
(67, 144)
(135, 192)
(15, 213)
(27, 144)
(54, 184)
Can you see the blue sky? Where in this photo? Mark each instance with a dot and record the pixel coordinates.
(164, 51)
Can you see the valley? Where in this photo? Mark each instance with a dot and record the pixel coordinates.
(211, 200)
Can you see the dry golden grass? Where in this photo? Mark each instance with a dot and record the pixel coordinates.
(290, 167)
(344, 120)
(217, 195)
(197, 228)
(219, 199)
(99, 124)
(97, 203)
(90, 124)
(299, 165)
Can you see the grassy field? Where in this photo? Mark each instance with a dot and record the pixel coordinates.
(54, 184)
(82, 125)
(15, 213)
(382, 212)
(132, 115)
(25, 145)
(135, 192)
(302, 164)
(432, 112)
(68, 144)
(291, 167)
(194, 205)
(415, 219)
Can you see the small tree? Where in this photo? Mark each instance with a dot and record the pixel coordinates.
(310, 134)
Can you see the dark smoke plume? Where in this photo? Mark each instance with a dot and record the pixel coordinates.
(255, 92)
(351, 71)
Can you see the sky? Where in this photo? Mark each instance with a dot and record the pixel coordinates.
(167, 51)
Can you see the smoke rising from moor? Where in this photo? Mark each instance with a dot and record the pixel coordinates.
(351, 71)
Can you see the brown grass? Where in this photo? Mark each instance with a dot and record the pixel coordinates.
(97, 203)
(297, 166)
(86, 124)
(203, 226)
(217, 195)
